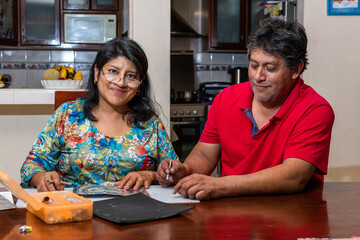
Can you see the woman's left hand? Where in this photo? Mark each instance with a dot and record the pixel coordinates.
(137, 180)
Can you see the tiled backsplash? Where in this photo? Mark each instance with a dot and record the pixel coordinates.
(27, 66)
(213, 67)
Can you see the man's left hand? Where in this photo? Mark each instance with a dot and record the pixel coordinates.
(199, 186)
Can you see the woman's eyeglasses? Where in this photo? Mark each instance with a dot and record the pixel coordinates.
(130, 79)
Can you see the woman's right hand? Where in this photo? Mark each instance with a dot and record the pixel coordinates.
(176, 172)
(40, 181)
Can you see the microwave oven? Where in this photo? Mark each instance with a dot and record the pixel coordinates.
(89, 28)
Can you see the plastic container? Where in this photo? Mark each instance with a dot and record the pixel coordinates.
(62, 207)
(52, 207)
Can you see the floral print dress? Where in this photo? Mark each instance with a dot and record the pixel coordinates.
(71, 145)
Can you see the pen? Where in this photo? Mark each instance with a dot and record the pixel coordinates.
(167, 175)
(62, 182)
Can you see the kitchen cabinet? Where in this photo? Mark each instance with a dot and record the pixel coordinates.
(90, 23)
(8, 22)
(77, 4)
(111, 5)
(35, 24)
(40, 22)
(229, 24)
(105, 4)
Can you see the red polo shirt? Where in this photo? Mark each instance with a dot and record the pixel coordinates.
(300, 129)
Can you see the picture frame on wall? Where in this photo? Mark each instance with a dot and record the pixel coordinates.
(8, 22)
(343, 7)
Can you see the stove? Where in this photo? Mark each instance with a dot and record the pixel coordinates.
(190, 110)
(188, 121)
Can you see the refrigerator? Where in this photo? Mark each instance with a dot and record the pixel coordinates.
(261, 10)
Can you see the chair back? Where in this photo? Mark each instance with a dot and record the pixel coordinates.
(64, 96)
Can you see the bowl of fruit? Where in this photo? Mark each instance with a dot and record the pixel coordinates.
(61, 77)
(2, 84)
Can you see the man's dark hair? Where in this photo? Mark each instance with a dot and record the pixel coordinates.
(141, 106)
(283, 39)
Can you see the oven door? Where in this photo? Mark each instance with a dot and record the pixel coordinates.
(188, 133)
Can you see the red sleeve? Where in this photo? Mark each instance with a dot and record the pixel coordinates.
(310, 139)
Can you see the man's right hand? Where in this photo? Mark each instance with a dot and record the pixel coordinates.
(176, 172)
(40, 181)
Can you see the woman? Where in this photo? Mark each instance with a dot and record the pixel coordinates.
(111, 136)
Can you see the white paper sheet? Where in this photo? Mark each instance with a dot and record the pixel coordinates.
(163, 194)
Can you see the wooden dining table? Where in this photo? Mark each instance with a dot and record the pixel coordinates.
(329, 210)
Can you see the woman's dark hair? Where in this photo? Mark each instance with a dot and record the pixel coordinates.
(283, 39)
(141, 106)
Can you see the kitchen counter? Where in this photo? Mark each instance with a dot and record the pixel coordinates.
(29, 96)
(28, 101)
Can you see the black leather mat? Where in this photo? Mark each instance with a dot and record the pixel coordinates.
(135, 208)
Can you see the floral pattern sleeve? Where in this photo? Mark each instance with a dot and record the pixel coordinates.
(164, 146)
(44, 155)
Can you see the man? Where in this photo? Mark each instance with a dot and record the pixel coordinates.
(271, 134)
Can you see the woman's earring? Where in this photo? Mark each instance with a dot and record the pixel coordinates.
(138, 92)
(95, 82)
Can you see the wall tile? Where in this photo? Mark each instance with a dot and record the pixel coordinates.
(85, 75)
(18, 77)
(14, 56)
(85, 57)
(27, 66)
(38, 56)
(220, 67)
(66, 64)
(82, 67)
(17, 65)
(62, 56)
(34, 78)
(221, 58)
(202, 58)
(220, 76)
(43, 66)
(240, 60)
(202, 76)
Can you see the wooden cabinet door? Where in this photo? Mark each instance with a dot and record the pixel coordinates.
(112, 5)
(76, 4)
(229, 24)
(40, 22)
(8, 22)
